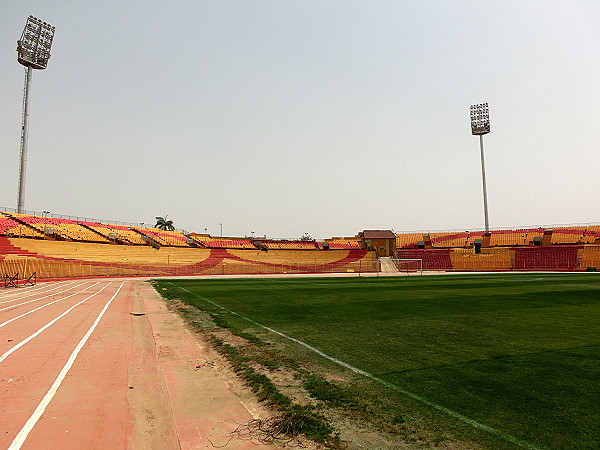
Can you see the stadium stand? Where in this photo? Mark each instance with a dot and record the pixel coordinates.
(344, 243)
(449, 240)
(408, 240)
(433, 259)
(497, 258)
(570, 235)
(229, 243)
(70, 258)
(116, 233)
(291, 245)
(591, 235)
(64, 247)
(164, 237)
(590, 257)
(473, 235)
(11, 227)
(508, 238)
(542, 258)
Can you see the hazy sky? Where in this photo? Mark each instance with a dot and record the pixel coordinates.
(327, 117)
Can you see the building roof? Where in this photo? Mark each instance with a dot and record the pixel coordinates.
(378, 234)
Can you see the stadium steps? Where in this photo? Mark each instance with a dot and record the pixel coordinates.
(117, 241)
(387, 265)
(35, 231)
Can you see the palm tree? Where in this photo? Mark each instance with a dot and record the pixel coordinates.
(163, 224)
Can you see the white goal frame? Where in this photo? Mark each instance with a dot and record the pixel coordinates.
(417, 267)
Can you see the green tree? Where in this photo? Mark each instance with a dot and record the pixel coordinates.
(163, 224)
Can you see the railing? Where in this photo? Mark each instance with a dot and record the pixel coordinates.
(77, 269)
(509, 228)
(85, 219)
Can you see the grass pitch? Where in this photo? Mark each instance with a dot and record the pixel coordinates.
(504, 360)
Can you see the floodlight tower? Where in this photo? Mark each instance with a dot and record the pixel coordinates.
(33, 52)
(480, 125)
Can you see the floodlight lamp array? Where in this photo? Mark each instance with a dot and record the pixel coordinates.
(480, 119)
(34, 46)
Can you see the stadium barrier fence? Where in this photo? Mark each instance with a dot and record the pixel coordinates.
(77, 269)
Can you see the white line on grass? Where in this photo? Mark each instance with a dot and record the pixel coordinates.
(417, 397)
(19, 440)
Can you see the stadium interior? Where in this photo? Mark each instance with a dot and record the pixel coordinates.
(54, 247)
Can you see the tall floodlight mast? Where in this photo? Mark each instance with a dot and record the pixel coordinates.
(480, 125)
(33, 52)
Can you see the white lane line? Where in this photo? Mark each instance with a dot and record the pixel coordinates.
(27, 289)
(47, 304)
(40, 298)
(29, 293)
(49, 324)
(19, 440)
(417, 397)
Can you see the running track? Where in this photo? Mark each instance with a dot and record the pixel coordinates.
(78, 370)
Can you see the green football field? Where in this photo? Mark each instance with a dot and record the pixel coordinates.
(505, 360)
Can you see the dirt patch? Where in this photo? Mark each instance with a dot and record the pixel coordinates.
(153, 425)
(207, 401)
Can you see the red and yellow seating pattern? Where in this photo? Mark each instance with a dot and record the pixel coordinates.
(57, 259)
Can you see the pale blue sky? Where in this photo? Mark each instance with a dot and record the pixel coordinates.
(327, 117)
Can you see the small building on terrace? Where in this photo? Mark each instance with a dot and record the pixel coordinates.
(383, 242)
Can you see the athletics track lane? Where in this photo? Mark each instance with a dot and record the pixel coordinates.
(79, 371)
(89, 408)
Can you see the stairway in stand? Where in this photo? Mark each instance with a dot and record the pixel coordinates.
(387, 265)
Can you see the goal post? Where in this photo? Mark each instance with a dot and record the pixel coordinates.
(408, 265)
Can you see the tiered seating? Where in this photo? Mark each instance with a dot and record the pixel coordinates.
(534, 233)
(205, 240)
(172, 238)
(71, 259)
(163, 237)
(591, 234)
(473, 235)
(291, 245)
(507, 238)
(290, 261)
(343, 243)
(122, 233)
(66, 229)
(39, 223)
(514, 238)
(433, 259)
(408, 240)
(116, 254)
(10, 227)
(201, 239)
(498, 258)
(449, 240)
(567, 235)
(550, 258)
(229, 243)
(590, 257)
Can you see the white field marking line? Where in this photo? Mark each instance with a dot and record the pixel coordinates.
(397, 388)
(40, 298)
(47, 304)
(19, 440)
(49, 324)
(29, 293)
